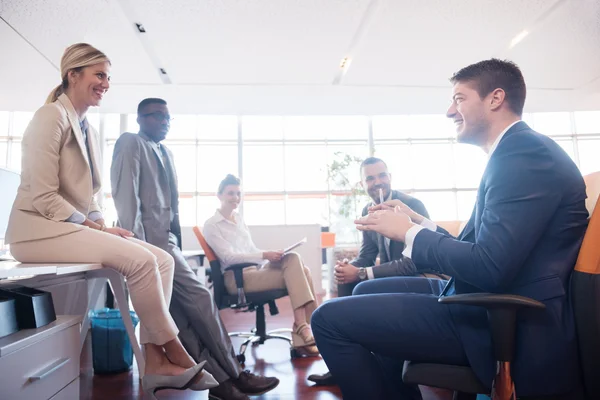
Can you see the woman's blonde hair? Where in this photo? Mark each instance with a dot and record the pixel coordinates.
(76, 57)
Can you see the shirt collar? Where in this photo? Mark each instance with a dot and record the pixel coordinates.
(219, 217)
(497, 141)
(149, 139)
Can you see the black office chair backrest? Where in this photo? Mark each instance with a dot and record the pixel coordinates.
(219, 291)
(585, 289)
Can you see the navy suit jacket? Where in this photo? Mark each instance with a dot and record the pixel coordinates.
(523, 238)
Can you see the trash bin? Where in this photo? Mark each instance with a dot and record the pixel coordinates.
(111, 348)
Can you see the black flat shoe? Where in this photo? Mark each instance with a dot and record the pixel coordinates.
(322, 379)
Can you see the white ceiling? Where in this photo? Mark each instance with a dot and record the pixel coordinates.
(283, 56)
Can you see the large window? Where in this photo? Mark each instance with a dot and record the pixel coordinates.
(284, 161)
(12, 127)
(285, 168)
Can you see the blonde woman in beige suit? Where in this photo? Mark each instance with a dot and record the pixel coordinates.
(55, 217)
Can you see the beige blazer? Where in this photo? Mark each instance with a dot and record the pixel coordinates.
(56, 178)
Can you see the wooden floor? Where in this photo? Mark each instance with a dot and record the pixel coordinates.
(271, 358)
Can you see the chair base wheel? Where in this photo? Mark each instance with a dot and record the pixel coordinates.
(241, 358)
(294, 354)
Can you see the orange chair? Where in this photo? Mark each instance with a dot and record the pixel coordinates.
(592, 187)
(585, 293)
(246, 302)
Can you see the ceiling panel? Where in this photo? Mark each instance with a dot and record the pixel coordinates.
(281, 56)
(53, 25)
(26, 82)
(564, 50)
(421, 43)
(251, 41)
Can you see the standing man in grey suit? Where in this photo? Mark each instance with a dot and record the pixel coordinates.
(144, 189)
(376, 180)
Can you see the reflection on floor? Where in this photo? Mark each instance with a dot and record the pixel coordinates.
(271, 358)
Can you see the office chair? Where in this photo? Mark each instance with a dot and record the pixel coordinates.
(246, 302)
(502, 310)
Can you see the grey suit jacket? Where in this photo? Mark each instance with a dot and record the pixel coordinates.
(373, 244)
(141, 191)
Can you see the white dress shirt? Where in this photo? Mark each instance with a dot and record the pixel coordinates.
(369, 270)
(411, 234)
(231, 241)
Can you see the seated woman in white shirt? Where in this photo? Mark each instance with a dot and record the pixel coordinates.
(228, 236)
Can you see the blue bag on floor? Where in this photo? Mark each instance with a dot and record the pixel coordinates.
(111, 348)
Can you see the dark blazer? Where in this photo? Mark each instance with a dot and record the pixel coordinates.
(522, 238)
(373, 244)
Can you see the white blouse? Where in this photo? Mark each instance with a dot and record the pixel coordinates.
(231, 241)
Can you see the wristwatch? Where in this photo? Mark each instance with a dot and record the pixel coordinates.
(362, 274)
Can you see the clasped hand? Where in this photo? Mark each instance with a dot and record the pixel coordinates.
(344, 272)
(395, 203)
(391, 223)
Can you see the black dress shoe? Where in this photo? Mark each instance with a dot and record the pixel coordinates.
(250, 383)
(226, 391)
(323, 379)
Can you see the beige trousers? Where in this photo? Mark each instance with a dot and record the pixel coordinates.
(147, 269)
(290, 273)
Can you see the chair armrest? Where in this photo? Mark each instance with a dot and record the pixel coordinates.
(491, 300)
(240, 266)
(238, 272)
(502, 316)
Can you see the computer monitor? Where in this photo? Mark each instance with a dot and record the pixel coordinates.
(9, 182)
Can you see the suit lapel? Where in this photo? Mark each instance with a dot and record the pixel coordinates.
(167, 171)
(467, 230)
(470, 227)
(158, 156)
(450, 288)
(156, 152)
(171, 167)
(74, 121)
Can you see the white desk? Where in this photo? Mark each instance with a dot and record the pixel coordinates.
(30, 275)
(10, 269)
(14, 269)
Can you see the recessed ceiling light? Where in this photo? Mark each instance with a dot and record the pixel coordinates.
(345, 63)
(517, 39)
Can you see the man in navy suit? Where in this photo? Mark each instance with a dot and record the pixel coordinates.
(523, 238)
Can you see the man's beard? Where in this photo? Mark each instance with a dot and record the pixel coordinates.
(374, 193)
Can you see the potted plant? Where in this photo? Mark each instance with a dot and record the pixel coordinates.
(347, 193)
